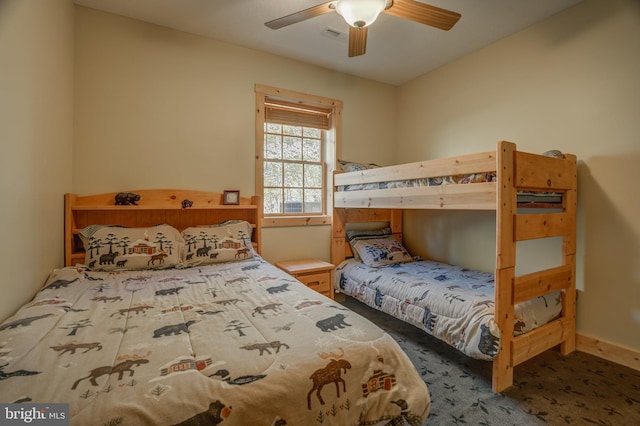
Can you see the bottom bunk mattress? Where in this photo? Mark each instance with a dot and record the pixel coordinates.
(238, 343)
(451, 303)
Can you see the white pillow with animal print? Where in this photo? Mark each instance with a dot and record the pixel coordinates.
(225, 242)
(113, 248)
(380, 251)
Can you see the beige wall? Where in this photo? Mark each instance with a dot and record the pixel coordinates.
(146, 95)
(158, 108)
(36, 122)
(570, 83)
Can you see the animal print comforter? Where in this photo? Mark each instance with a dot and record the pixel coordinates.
(451, 303)
(238, 343)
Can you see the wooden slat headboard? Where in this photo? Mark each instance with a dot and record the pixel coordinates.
(155, 207)
(340, 247)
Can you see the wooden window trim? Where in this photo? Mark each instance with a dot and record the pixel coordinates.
(332, 150)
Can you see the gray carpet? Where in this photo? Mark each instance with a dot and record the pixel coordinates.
(549, 389)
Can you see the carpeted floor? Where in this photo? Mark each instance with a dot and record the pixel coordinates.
(550, 389)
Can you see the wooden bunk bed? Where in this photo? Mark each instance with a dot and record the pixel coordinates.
(515, 171)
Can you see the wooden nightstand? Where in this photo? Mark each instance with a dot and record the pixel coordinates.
(313, 273)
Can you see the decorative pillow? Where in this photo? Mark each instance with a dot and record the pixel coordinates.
(350, 166)
(111, 248)
(363, 233)
(227, 241)
(380, 251)
(86, 233)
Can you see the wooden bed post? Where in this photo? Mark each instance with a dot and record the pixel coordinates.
(395, 221)
(257, 200)
(338, 234)
(69, 226)
(570, 201)
(505, 263)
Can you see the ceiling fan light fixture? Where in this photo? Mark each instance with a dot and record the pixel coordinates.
(360, 13)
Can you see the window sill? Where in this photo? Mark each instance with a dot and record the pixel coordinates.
(273, 222)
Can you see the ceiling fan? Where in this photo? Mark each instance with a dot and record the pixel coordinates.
(359, 14)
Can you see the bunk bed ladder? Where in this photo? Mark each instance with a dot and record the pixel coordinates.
(519, 170)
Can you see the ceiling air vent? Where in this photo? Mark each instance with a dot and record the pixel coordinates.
(334, 34)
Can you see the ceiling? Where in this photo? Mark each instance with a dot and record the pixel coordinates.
(398, 50)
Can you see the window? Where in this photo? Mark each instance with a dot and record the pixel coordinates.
(293, 169)
(296, 145)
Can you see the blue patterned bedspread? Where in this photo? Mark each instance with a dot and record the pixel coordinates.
(454, 304)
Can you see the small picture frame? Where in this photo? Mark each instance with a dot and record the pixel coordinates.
(231, 197)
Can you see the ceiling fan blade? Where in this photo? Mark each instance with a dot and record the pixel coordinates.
(357, 41)
(423, 14)
(302, 15)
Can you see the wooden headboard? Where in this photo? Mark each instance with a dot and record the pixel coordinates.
(340, 247)
(156, 206)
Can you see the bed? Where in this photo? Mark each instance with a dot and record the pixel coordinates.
(508, 342)
(179, 320)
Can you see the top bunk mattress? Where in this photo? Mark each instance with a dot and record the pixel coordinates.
(454, 304)
(541, 179)
(411, 183)
(523, 197)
